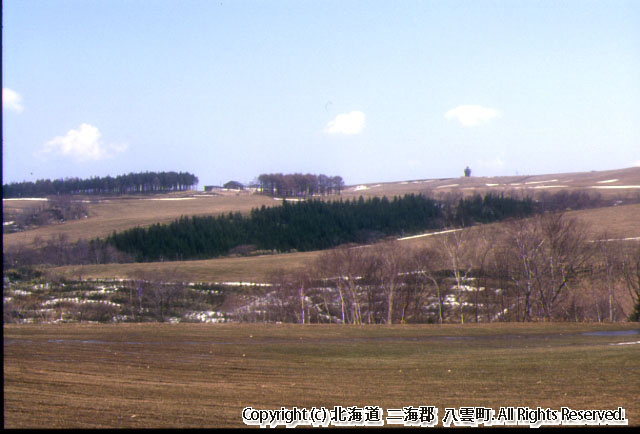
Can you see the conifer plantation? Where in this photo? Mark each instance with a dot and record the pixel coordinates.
(309, 225)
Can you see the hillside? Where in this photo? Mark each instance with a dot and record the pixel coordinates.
(607, 183)
(417, 269)
(117, 213)
(617, 222)
(123, 212)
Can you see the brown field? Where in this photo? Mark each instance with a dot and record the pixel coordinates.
(119, 213)
(198, 375)
(240, 269)
(613, 222)
(609, 183)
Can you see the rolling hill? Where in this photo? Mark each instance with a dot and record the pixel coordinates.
(122, 212)
(116, 213)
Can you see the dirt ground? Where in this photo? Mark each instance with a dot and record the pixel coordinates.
(197, 375)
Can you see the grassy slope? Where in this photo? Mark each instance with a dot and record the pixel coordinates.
(120, 213)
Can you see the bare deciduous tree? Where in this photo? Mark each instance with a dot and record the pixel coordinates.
(566, 251)
(482, 240)
(427, 262)
(392, 260)
(544, 254)
(346, 266)
(609, 269)
(521, 255)
(457, 246)
(631, 275)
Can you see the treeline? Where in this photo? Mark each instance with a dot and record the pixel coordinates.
(142, 182)
(142, 300)
(59, 251)
(277, 184)
(490, 208)
(57, 209)
(540, 268)
(308, 225)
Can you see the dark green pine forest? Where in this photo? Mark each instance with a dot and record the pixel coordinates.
(310, 225)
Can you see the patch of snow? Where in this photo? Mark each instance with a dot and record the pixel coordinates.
(466, 288)
(76, 300)
(428, 234)
(615, 186)
(7, 223)
(100, 291)
(500, 314)
(607, 181)
(627, 343)
(43, 199)
(173, 198)
(492, 185)
(550, 186)
(617, 239)
(450, 185)
(540, 182)
(360, 187)
(208, 316)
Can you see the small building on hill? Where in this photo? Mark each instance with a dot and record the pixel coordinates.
(233, 185)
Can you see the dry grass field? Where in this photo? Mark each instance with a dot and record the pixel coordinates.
(612, 222)
(197, 375)
(119, 213)
(608, 183)
(239, 269)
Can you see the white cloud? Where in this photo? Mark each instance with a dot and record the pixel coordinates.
(636, 164)
(11, 100)
(472, 115)
(346, 123)
(82, 144)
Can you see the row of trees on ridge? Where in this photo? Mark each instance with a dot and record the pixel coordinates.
(277, 184)
(142, 182)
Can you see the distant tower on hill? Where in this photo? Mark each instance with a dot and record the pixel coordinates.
(467, 172)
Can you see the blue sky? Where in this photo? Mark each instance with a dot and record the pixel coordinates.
(373, 91)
